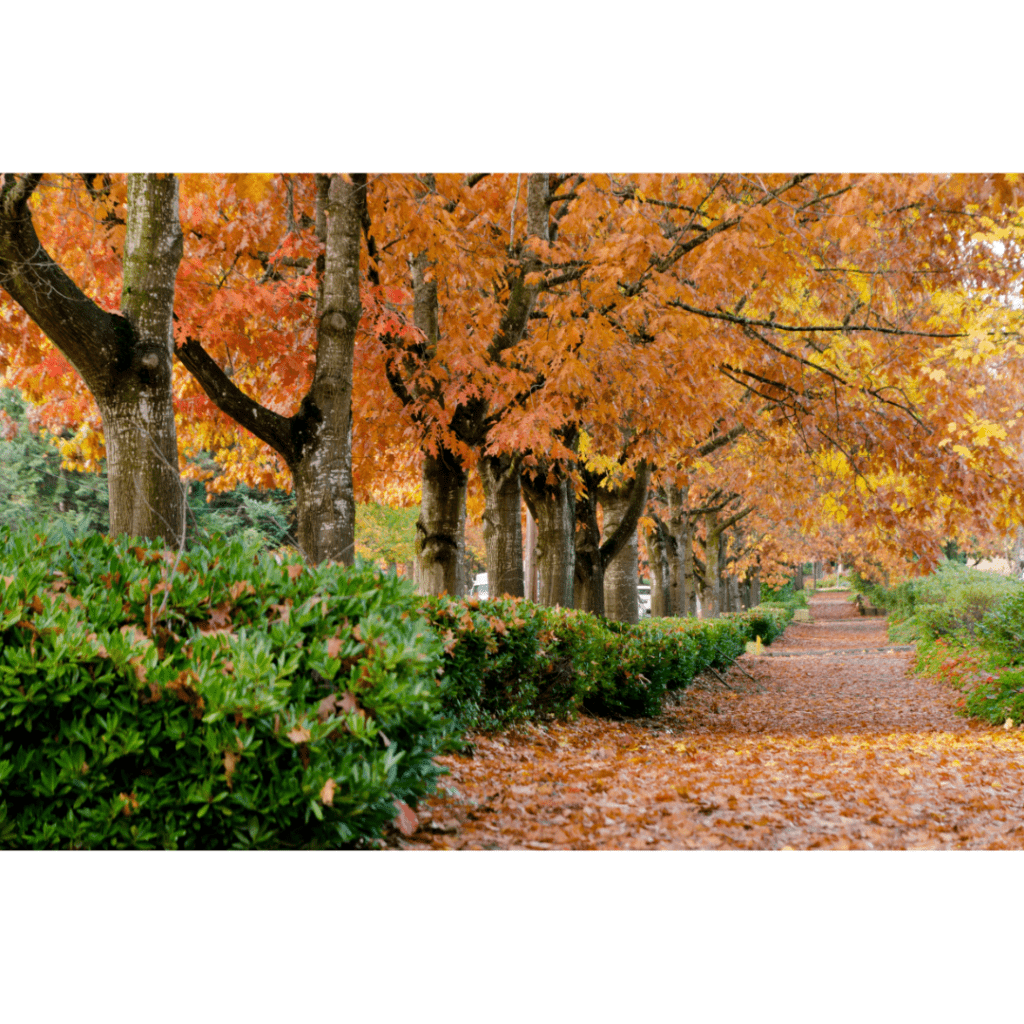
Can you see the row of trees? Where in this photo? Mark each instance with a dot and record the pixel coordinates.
(730, 363)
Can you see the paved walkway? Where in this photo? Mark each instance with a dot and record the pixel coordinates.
(840, 750)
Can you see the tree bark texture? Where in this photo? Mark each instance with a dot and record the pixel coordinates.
(503, 526)
(680, 581)
(554, 508)
(325, 505)
(440, 529)
(712, 579)
(125, 361)
(659, 552)
(594, 555)
(146, 497)
(315, 443)
(440, 525)
(621, 575)
(530, 557)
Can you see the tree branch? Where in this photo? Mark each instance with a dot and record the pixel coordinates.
(97, 343)
(270, 427)
(637, 500)
(743, 321)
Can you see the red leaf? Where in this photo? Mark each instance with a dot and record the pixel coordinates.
(405, 821)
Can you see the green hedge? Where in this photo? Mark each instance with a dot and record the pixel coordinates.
(507, 660)
(230, 698)
(226, 699)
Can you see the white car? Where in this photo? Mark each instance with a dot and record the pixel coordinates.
(644, 598)
(479, 588)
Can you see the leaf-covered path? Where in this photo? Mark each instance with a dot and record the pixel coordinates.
(830, 748)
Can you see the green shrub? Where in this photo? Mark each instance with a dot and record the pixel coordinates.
(1002, 627)
(953, 601)
(507, 660)
(223, 700)
(785, 595)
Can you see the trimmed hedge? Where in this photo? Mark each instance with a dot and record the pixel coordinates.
(227, 699)
(507, 660)
(230, 698)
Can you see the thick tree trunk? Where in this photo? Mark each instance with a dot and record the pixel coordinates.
(145, 494)
(530, 557)
(621, 575)
(680, 579)
(733, 586)
(315, 443)
(503, 527)
(689, 588)
(588, 578)
(712, 579)
(554, 509)
(125, 361)
(755, 588)
(441, 524)
(659, 545)
(594, 555)
(324, 502)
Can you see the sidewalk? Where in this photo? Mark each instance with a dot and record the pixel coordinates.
(841, 751)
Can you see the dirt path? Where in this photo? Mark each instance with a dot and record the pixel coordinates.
(830, 748)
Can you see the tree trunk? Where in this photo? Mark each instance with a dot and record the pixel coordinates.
(503, 527)
(712, 579)
(621, 575)
(315, 443)
(125, 361)
(324, 502)
(659, 545)
(1015, 553)
(441, 523)
(588, 578)
(733, 586)
(554, 509)
(798, 577)
(145, 493)
(530, 557)
(678, 527)
(594, 555)
(689, 588)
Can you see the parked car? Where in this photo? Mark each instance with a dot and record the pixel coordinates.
(479, 588)
(644, 597)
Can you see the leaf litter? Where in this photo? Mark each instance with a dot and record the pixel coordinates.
(847, 752)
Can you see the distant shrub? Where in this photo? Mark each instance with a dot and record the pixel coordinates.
(1002, 627)
(508, 660)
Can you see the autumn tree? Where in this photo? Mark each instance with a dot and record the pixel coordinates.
(314, 442)
(125, 359)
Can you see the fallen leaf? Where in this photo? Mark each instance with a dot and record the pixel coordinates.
(230, 760)
(327, 707)
(405, 821)
(349, 704)
(327, 793)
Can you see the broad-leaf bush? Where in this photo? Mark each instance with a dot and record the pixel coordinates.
(968, 625)
(220, 699)
(507, 660)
